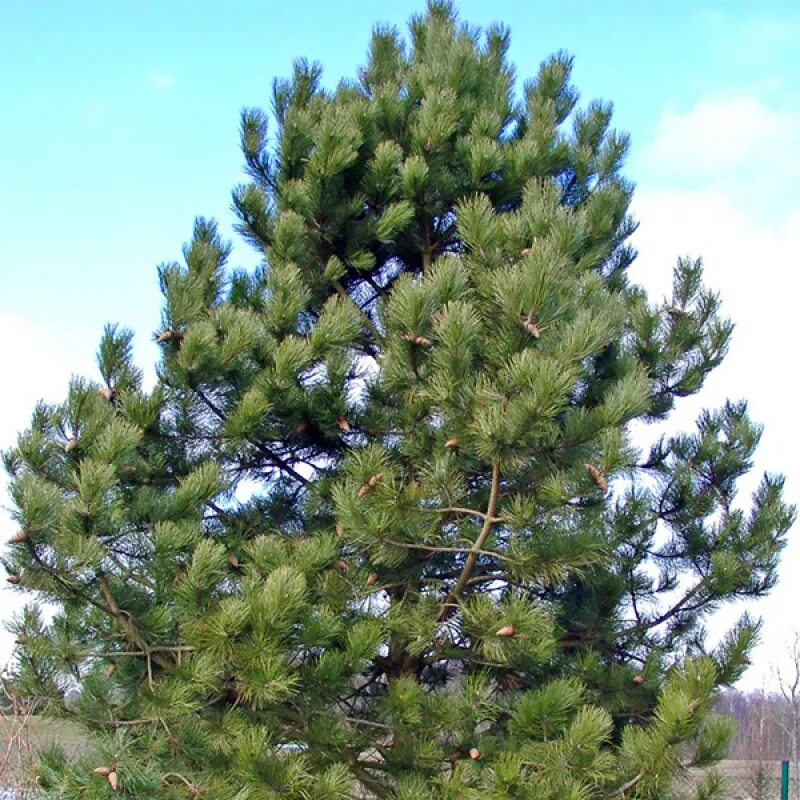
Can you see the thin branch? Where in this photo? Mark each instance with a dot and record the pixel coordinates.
(263, 449)
(667, 614)
(370, 723)
(459, 510)
(370, 325)
(628, 785)
(129, 628)
(439, 549)
(121, 723)
(482, 536)
(180, 648)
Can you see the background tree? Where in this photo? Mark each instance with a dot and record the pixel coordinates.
(759, 735)
(379, 529)
(789, 720)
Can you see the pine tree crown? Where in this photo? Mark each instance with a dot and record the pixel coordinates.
(381, 529)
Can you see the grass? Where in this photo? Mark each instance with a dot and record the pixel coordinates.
(21, 738)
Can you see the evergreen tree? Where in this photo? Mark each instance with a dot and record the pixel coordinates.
(380, 529)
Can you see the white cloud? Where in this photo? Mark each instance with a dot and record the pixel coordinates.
(736, 142)
(731, 149)
(162, 81)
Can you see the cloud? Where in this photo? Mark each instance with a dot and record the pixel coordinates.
(162, 81)
(720, 183)
(719, 134)
(735, 142)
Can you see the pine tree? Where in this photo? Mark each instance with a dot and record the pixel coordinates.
(381, 528)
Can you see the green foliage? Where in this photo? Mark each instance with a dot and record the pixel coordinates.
(380, 529)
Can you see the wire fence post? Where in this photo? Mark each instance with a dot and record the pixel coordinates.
(785, 779)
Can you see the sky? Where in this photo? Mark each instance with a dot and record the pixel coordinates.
(121, 125)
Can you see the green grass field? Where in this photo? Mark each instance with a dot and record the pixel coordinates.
(19, 742)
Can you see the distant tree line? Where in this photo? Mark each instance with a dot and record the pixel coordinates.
(767, 725)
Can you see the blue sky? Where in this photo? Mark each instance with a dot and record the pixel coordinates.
(120, 125)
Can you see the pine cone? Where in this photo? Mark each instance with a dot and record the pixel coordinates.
(506, 631)
(168, 335)
(599, 479)
(108, 393)
(420, 340)
(104, 771)
(474, 753)
(344, 424)
(113, 782)
(20, 536)
(14, 579)
(70, 444)
(531, 326)
(638, 680)
(533, 329)
(451, 442)
(370, 484)
(372, 578)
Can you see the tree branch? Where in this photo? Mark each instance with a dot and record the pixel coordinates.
(263, 449)
(476, 548)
